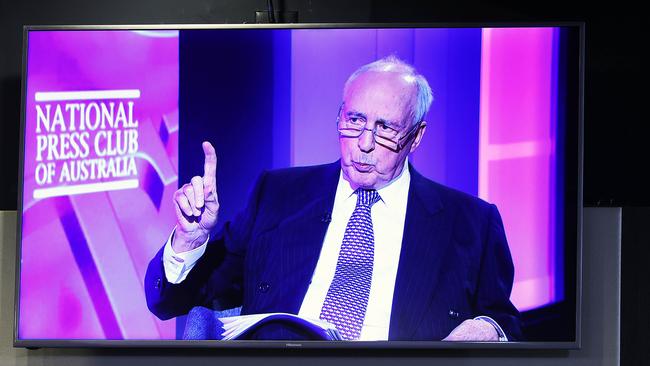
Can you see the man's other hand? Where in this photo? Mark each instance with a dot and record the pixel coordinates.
(473, 331)
(197, 206)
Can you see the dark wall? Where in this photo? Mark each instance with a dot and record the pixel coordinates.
(635, 300)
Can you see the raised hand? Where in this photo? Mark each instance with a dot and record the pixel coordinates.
(197, 205)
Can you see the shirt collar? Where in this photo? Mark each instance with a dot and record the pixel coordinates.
(395, 191)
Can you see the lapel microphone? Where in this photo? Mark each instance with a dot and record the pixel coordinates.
(327, 217)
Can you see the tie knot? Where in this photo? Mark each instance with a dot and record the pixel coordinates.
(367, 197)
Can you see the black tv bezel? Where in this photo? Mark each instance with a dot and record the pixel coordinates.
(575, 182)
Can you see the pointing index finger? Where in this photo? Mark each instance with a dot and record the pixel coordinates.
(210, 165)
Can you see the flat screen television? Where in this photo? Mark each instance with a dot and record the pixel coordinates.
(371, 185)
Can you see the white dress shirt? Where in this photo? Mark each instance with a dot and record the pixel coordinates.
(178, 265)
(388, 217)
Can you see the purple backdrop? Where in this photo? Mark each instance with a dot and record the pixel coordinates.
(87, 236)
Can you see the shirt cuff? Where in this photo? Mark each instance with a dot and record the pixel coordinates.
(497, 327)
(178, 265)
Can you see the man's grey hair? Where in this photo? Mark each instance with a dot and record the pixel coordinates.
(424, 95)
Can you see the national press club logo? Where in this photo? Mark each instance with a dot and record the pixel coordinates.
(86, 142)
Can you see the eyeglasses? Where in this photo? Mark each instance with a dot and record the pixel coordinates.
(385, 135)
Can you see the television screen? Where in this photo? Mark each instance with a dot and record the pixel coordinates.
(311, 185)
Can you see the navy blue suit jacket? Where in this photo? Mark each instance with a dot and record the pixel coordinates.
(454, 264)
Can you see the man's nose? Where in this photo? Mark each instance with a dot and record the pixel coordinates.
(367, 140)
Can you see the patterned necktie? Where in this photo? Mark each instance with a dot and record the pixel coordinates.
(347, 298)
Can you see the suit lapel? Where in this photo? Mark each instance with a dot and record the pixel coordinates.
(302, 235)
(424, 243)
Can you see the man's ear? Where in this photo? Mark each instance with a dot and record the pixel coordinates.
(418, 136)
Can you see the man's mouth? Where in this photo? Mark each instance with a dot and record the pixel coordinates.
(362, 167)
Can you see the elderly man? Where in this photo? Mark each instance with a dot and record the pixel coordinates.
(366, 243)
